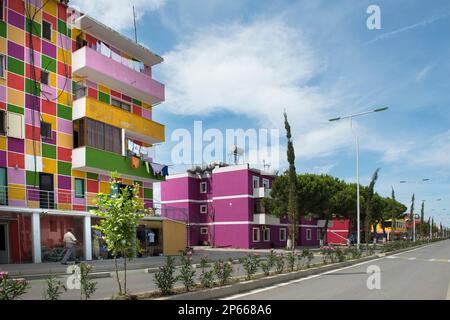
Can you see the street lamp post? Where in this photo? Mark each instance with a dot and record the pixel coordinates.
(358, 214)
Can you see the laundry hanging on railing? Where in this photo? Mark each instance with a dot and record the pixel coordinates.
(147, 153)
(157, 168)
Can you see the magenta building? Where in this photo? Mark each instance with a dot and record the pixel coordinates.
(222, 206)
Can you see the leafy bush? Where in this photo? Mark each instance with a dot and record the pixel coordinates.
(164, 278)
(308, 255)
(353, 252)
(340, 254)
(223, 271)
(250, 264)
(271, 259)
(11, 289)
(187, 273)
(265, 267)
(291, 257)
(327, 254)
(55, 288)
(206, 276)
(279, 263)
(87, 285)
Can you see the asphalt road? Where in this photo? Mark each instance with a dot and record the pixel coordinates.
(419, 274)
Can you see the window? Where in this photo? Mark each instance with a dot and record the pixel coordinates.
(46, 130)
(266, 183)
(80, 42)
(80, 90)
(3, 187)
(282, 234)
(47, 30)
(255, 234)
(203, 187)
(103, 136)
(2, 9)
(204, 230)
(308, 234)
(203, 208)
(267, 234)
(44, 77)
(2, 122)
(319, 234)
(255, 182)
(120, 104)
(2, 66)
(79, 188)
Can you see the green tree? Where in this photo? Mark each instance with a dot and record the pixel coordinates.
(120, 214)
(292, 195)
(411, 217)
(369, 192)
(422, 230)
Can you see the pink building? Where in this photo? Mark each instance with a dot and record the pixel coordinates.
(222, 206)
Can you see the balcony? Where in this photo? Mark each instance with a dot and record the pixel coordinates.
(104, 162)
(264, 218)
(90, 64)
(135, 126)
(261, 192)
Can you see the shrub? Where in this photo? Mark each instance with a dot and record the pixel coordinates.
(291, 257)
(223, 271)
(187, 273)
(308, 255)
(206, 276)
(265, 267)
(354, 252)
(279, 263)
(55, 288)
(87, 285)
(11, 289)
(164, 278)
(327, 254)
(339, 254)
(271, 259)
(250, 264)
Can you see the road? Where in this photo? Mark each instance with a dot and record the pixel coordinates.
(419, 274)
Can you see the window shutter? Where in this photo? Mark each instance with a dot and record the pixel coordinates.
(15, 125)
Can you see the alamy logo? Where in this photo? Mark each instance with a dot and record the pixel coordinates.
(374, 20)
(74, 280)
(374, 280)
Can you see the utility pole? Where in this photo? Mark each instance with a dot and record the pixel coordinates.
(135, 29)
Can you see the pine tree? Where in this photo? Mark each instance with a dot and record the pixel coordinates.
(422, 219)
(292, 174)
(411, 217)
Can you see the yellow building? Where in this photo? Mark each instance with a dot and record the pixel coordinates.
(393, 230)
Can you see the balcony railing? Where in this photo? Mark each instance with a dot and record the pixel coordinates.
(33, 198)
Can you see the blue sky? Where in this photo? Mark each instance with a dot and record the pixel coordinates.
(239, 64)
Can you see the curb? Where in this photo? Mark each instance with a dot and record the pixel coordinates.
(240, 287)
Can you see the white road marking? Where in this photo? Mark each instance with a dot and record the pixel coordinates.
(391, 257)
(431, 260)
(412, 258)
(316, 276)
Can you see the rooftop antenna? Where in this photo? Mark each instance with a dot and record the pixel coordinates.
(134, 21)
(266, 165)
(236, 152)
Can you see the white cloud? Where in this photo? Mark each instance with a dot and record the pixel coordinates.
(117, 14)
(258, 70)
(434, 152)
(423, 72)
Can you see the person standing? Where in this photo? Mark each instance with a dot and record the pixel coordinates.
(70, 242)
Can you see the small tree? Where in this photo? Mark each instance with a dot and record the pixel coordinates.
(187, 273)
(291, 257)
(120, 213)
(165, 279)
(279, 263)
(206, 276)
(223, 271)
(11, 289)
(87, 285)
(308, 255)
(250, 264)
(55, 288)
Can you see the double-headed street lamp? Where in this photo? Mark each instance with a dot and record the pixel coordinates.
(358, 222)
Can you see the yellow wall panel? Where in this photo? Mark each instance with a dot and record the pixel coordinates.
(2, 45)
(29, 147)
(51, 8)
(64, 98)
(16, 97)
(78, 174)
(16, 192)
(174, 237)
(52, 79)
(16, 35)
(2, 143)
(105, 187)
(146, 105)
(3, 81)
(64, 55)
(49, 165)
(103, 89)
(65, 140)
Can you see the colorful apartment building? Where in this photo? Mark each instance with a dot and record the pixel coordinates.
(76, 103)
(222, 206)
